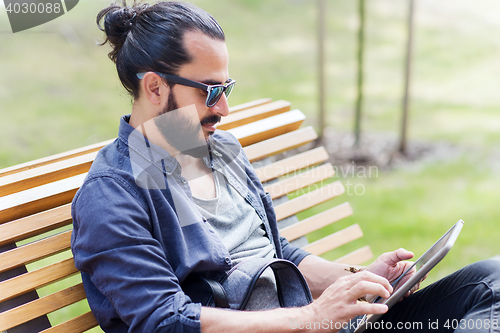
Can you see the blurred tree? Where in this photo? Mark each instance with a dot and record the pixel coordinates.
(359, 98)
(409, 44)
(321, 66)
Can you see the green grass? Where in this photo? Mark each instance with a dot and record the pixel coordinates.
(58, 94)
(412, 209)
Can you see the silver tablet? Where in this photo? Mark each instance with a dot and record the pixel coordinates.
(423, 265)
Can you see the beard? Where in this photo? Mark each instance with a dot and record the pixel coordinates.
(182, 130)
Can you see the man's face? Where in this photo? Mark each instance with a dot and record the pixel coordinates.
(209, 65)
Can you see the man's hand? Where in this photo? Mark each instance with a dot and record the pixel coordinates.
(336, 306)
(391, 265)
(339, 302)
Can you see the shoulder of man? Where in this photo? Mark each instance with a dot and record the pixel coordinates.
(108, 161)
(111, 165)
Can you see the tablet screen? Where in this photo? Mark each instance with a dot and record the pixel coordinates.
(430, 253)
(423, 265)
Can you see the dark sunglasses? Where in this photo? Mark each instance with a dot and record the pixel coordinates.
(214, 92)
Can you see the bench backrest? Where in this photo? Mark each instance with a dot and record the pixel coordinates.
(35, 219)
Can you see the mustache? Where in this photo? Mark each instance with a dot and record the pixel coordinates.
(213, 119)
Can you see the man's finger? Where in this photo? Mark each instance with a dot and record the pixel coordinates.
(368, 308)
(363, 288)
(371, 277)
(396, 256)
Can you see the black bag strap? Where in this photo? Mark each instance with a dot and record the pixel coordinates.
(206, 291)
(219, 295)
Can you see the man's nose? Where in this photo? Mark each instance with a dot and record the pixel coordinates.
(221, 108)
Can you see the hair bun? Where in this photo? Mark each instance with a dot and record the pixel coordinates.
(118, 21)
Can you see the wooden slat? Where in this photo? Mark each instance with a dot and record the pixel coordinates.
(45, 174)
(54, 158)
(317, 221)
(39, 199)
(309, 200)
(253, 114)
(40, 307)
(280, 143)
(268, 128)
(75, 325)
(35, 251)
(249, 105)
(356, 257)
(292, 164)
(34, 225)
(334, 240)
(33, 280)
(301, 180)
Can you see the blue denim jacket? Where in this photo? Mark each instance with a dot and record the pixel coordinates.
(137, 236)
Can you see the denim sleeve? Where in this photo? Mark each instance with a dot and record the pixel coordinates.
(293, 253)
(112, 242)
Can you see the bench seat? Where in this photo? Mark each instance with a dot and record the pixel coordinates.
(35, 214)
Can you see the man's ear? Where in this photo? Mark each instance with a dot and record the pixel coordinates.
(153, 87)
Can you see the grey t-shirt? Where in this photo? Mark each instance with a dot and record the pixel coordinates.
(242, 232)
(236, 222)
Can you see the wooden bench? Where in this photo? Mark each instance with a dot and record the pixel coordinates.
(37, 272)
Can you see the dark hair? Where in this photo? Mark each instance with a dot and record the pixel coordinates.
(148, 37)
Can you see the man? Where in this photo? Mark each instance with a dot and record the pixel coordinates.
(140, 218)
